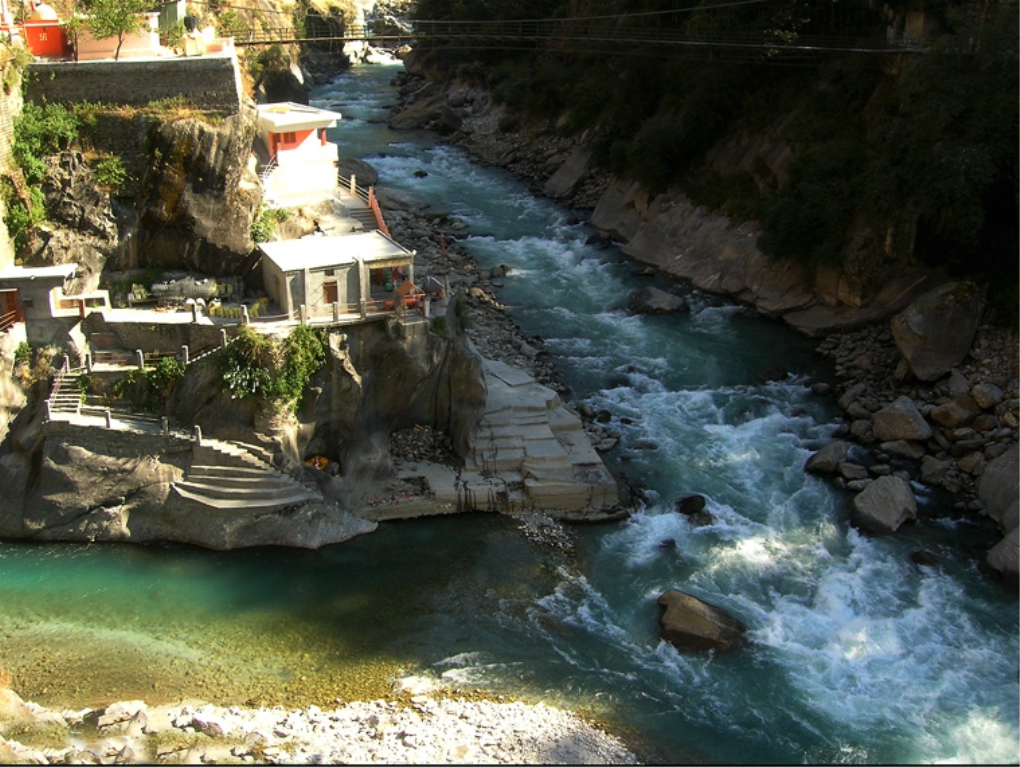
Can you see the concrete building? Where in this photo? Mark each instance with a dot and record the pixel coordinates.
(354, 274)
(299, 164)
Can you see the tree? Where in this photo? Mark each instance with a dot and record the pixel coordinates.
(116, 18)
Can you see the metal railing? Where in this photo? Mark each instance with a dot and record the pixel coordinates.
(7, 321)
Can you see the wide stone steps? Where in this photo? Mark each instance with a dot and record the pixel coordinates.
(233, 476)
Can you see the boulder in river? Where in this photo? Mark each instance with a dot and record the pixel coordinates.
(690, 624)
(651, 300)
(883, 506)
(828, 459)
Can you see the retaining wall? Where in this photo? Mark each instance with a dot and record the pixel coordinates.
(211, 83)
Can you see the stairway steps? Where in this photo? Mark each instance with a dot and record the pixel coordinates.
(246, 502)
(252, 489)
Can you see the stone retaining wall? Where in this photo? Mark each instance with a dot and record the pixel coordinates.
(211, 83)
(116, 442)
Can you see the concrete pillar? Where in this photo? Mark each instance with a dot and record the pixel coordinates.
(336, 311)
(245, 319)
(49, 412)
(88, 363)
(66, 364)
(109, 418)
(198, 435)
(223, 337)
(185, 355)
(139, 359)
(354, 184)
(194, 312)
(164, 425)
(363, 308)
(303, 313)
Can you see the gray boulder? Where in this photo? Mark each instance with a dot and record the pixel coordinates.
(999, 488)
(649, 300)
(883, 506)
(351, 166)
(900, 420)
(1003, 556)
(827, 460)
(690, 624)
(936, 331)
(570, 174)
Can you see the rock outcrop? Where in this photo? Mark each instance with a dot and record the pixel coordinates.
(690, 624)
(198, 198)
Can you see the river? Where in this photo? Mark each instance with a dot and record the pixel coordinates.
(857, 655)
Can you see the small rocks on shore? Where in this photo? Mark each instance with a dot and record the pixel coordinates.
(421, 730)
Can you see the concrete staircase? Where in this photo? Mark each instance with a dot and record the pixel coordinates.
(233, 476)
(66, 394)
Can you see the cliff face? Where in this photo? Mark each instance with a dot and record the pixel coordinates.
(198, 197)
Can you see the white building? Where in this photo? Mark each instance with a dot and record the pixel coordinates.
(300, 165)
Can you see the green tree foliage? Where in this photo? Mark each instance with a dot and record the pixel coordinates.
(116, 18)
(920, 150)
(278, 371)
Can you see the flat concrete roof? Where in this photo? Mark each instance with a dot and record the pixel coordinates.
(288, 116)
(14, 273)
(322, 252)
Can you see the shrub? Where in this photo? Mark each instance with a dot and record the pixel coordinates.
(22, 354)
(253, 365)
(110, 173)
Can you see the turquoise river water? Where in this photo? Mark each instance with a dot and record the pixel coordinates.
(857, 655)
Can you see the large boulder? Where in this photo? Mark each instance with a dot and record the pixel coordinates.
(650, 300)
(883, 506)
(999, 489)
(570, 174)
(936, 331)
(900, 420)
(1004, 556)
(828, 459)
(690, 624)
(364, 173)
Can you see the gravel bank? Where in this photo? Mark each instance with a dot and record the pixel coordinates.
(422, 730)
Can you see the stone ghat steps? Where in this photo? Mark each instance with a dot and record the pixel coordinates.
(235, 476)
(243, 500)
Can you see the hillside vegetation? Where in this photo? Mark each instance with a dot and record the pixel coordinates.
(911, 156)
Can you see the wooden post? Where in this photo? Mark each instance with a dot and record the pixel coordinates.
(354, 185)
(49, 412)
(140, 359)
(164, 425)
(109, 418)
(223, 337)
(88, 363)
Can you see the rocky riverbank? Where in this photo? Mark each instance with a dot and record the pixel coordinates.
(929, 397)
(411, 730)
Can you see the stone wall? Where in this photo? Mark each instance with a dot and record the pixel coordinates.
(117, 442)
(211, 83)
(164, 337)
